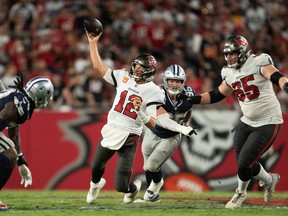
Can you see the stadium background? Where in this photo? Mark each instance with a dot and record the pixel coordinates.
(44, 37)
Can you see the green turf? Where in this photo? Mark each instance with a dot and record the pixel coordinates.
(60, 203)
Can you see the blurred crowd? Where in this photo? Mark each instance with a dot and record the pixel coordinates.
(46, 37)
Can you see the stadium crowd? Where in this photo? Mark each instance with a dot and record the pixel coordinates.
(46, 37)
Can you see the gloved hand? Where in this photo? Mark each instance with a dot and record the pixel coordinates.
(24, 171)
(25, 174)
(196, 99)
(182, 96)
(187, 131)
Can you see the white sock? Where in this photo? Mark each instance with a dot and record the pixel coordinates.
(263, 175)
(155, 187)
(242, 185)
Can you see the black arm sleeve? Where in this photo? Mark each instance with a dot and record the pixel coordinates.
(275, 77)
(216, 96)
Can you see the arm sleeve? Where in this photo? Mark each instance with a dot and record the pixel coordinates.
(216, 96)
(164, 121)
(275, 77)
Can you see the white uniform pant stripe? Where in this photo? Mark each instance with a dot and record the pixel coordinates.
(5, 142)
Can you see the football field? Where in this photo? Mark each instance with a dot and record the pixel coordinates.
(59, 203)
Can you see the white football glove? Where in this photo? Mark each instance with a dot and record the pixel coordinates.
(187, 131)
(25, 174)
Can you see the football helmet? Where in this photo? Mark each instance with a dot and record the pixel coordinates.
(238, 44)
(40, 90)
(174, 72)
(149, 63)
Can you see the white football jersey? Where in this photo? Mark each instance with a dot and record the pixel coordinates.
(254, 92)
(122, 115)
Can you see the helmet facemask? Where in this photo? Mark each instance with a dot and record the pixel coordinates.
(174, 72)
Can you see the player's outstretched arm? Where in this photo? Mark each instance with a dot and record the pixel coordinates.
(271, 73)
(26, 176)
(99, 67)
(164, 121)
(210, 97)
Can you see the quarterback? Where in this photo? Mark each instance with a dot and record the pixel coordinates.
(138, 101)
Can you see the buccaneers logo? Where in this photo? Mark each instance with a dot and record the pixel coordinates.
(153, 63)
(241, 41)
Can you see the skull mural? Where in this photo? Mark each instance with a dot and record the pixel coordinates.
(207, 150)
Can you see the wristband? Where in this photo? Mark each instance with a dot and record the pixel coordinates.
(21, 160)
(143, 116)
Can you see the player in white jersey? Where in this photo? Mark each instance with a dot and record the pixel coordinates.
(251, 78)
(138, 101)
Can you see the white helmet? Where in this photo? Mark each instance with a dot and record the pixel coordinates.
(174, 72)
(40, 90)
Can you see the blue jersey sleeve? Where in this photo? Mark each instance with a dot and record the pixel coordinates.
(21, 103)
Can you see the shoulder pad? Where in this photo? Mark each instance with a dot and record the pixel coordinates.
(263, 59)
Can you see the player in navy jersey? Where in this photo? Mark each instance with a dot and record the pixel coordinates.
(251, 78)
(17, 105)
(159, 143)
(138, 101)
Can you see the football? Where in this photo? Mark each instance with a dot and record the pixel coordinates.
(93, 26)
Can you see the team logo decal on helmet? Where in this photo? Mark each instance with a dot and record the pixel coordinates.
(241, 41)
(153, 63)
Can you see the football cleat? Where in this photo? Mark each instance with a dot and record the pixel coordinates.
(150, 196)
(130, 197)
(236, 200)
(3, 207)
(270, 188)
(94, 190)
